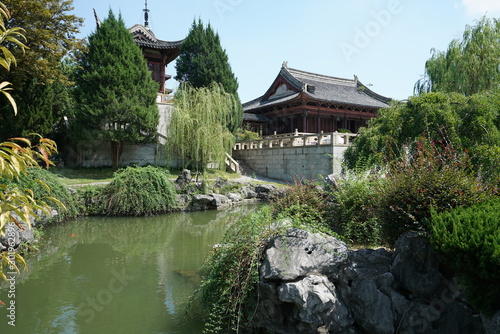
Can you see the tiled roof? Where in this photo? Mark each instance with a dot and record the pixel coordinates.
(321, 88)
(144, 37)
(254, 118)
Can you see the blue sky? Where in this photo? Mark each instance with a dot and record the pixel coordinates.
(384, 42)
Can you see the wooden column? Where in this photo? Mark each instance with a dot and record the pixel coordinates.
(163, 65)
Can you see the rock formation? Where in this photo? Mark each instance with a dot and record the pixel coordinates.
(311, 283)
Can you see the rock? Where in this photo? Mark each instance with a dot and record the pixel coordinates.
(202, 200)
(311, 283)
(299, 253)
(265, 191)
(235, 198)
(184, 178)
(221, 182)
(316, 303)
(15, 235)
(219, 200)
(371, 308)
(248, 192)
(491, 323)
(414, 266)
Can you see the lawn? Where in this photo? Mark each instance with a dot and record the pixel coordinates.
(85, 176)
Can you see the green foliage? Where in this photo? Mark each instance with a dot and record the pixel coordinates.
(230, 273)
(469, 66)
(469, 122)
(50, 32)
(305, 204)
(20, 204)
(115, 93)
(467, 240)
(136, 191)
(44, 185)
(354, 211)
(435, 176)
(202, 62)
(198, 131)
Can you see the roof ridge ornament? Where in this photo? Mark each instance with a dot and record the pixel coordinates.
(285, 64)
(146, 14)
(97, 21)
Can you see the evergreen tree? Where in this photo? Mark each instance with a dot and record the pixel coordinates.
(50, 32)
(203, 61)
(115, 92)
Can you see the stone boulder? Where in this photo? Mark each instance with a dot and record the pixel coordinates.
(248, 192)
(311, 283)
(299, 253)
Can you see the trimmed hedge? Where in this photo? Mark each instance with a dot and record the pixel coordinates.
(468, 240)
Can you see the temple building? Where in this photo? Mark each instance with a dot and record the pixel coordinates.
(158, 53)
(299, 101)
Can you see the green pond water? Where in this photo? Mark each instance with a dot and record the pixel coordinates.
(116, 275)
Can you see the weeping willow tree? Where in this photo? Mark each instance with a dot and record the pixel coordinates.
(199, 133)
(469, 66)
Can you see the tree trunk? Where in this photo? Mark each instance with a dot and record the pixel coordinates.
(116, 153)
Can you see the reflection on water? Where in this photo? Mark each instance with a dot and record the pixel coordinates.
(116, 275)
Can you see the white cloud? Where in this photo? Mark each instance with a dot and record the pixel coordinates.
(481, 6)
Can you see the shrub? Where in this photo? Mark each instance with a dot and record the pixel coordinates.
(468, 240)
(436, 175)
(137, 191)
(230, 273)
(353, 214)
(303, 202)
(55, 189)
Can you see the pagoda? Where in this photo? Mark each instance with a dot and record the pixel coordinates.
(299, 101)
(158, 53)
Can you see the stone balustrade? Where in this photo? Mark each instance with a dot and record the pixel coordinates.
(297, 140)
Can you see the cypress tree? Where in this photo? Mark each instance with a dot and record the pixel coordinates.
(115, 92)
(202, 61)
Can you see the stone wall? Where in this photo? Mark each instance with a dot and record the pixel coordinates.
(99, 154)
(288, 163)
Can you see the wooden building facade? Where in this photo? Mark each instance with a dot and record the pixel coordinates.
(313, 103)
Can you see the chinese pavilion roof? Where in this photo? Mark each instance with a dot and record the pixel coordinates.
(145, 38)
(292, 85)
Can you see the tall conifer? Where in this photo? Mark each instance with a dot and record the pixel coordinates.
(115, 91)
(202, 61)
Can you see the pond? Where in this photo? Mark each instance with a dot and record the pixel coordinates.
(116, 275)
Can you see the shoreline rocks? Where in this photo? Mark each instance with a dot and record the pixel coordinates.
(336, 290)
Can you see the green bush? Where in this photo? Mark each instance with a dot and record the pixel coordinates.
(353, 215)
(55, 189)
(468, 241)
(305, 203)
(137, 191)
(231, 271)
(436, 175)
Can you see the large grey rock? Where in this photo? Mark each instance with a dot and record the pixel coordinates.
(299, 253)
(491, 323)
(202, 200)
(219, 200)
(310, 283)
(371, 308)
(414, 265)
(184, 177)
(234, 197)
(316, 303)
(248, 192)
